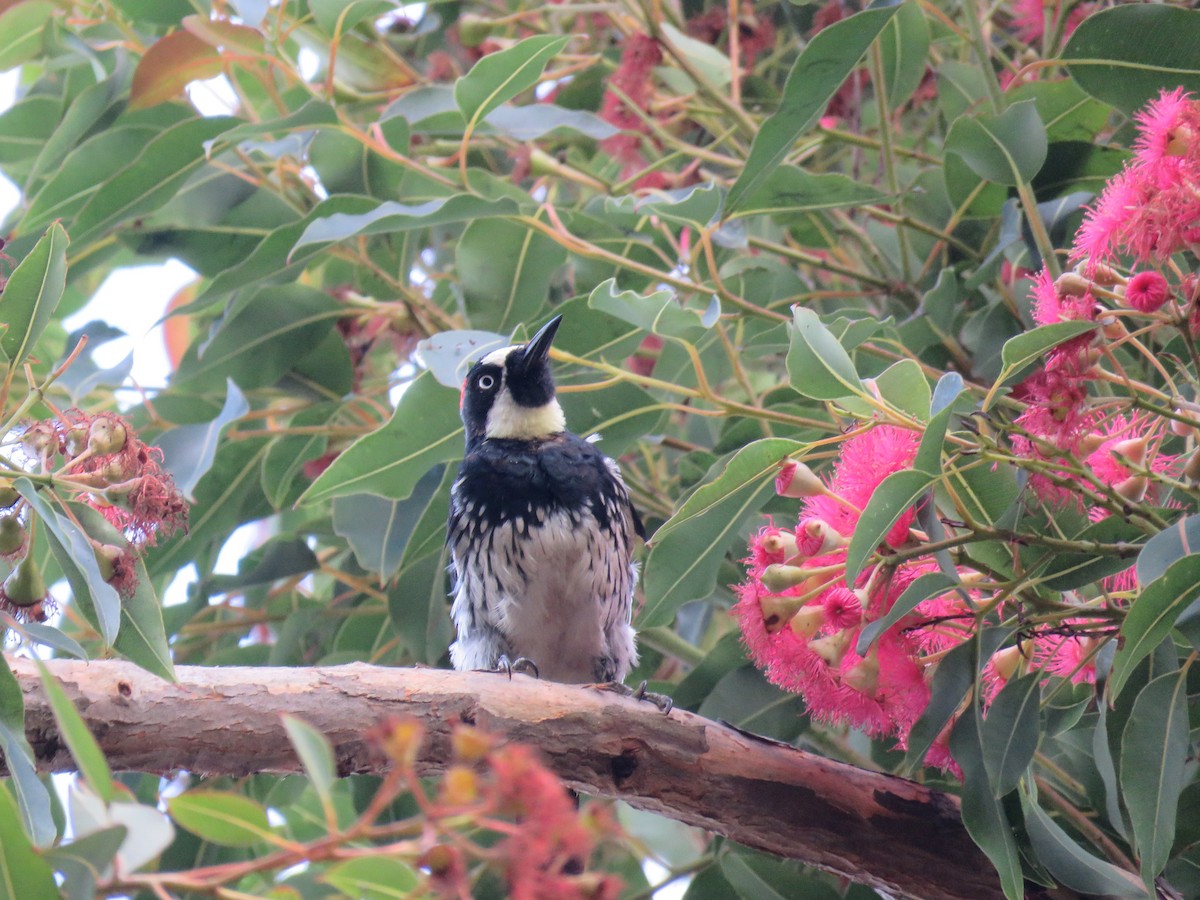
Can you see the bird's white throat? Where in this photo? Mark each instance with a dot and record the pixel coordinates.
(508, 419)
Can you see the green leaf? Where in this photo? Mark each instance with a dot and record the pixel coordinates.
(657, 313)
(424, 430)
(189, 450)
(904, 46)
(687, 551)
(24, 875)
(1154, 751)
(373, 878)
(390, 217)
(32, 294)
(815, 77)
(982, 814)
(85, 860)
(931, 584)
(505, 270)
(1070, 864)
(281, 557)
(1152, 616)
(32, 796)
(1006, 148)
(895, 494)
(79, 740)
(501, 76)
(90, 165)
(790, 191)
(1069, 571)
(338, 16)
(955, 674)
(81, 116)
(903, 386)
(12, 701)
(260, 342)
(151, 179)
(417, 601)
(270, 260)
(1125, 72)
(819, 367)
(1032, 345)
(1010, 732)
(316, 755)
(221, 817)
(75, 555)
(22, 26)
(1179, 539)
(941, 408)
(378, 529)
(142, 638)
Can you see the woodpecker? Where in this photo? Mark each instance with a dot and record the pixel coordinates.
(541, 532)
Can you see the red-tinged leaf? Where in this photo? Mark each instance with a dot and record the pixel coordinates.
(170, 64)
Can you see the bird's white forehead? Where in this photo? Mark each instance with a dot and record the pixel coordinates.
(497, 357)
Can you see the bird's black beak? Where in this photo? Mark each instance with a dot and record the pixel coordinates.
(537, 351)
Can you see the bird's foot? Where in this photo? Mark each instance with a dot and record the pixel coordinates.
(521, 665)
(662, 701)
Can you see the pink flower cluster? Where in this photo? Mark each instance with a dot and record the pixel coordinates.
(1147, 213)
(801, 622)
(1152, 208)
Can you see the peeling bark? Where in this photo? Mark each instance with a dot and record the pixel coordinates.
(876, 829)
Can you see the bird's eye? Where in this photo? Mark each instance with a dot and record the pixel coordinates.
(486, 382)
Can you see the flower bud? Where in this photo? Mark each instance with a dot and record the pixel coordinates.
(40, 440)
(469, 745)
(25, 587)
(1072, 284)
(776, 578)
(808, 621)
(796, 480)
(1007, 662)
(12, 536)
(1133, 450)
(1089, 444)
(75, 439)
(1132, 488)
(1191, 469)
(831, 648)
(1181, 429)
(107, 556)
(9, 495)
(1105, 275)
(776, 610)
(816, 536)
(863, 676)
(781, 543)
(401, 740)
(460, 786)
(107, 435)
(1113, 328)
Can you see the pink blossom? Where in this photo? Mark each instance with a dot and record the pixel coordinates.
(843, 609)
(1147, 291)
(1065, 655)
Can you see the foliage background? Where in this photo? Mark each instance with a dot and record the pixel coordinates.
(424, 181)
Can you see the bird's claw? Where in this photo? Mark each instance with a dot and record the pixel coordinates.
(662, 701)
(521, 665)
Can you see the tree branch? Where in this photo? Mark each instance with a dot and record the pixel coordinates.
(873, 828)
